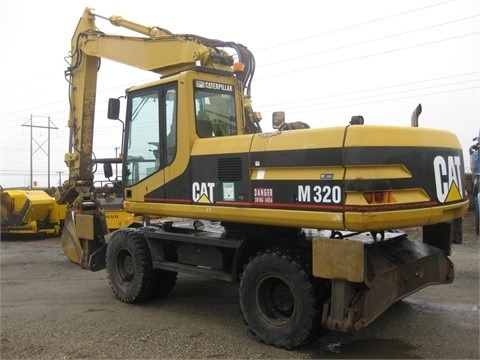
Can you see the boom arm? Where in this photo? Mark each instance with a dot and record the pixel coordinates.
(159, 51)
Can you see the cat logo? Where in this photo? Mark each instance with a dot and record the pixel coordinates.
(202, 192)
(448, 179)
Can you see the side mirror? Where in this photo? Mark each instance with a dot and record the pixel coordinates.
(357, 120)
(113, 109)
(107, 170)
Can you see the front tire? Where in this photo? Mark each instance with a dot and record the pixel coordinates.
(280, 299)
(129, 266)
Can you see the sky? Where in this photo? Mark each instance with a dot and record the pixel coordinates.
(319, 61)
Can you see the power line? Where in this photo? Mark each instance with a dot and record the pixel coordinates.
(345, 46)
(385, 87)
(369, 41)
(290, 71)
(328, 50)
(124, 86)
(386, 100)
(354, 26)
(15, 121)
(362, 91)
(25, 172)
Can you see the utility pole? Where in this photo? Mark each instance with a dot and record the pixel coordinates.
(31, 126)
(116, 165)
(59, 178)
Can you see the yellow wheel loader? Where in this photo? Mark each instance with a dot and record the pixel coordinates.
(304, 219)
(30, 212)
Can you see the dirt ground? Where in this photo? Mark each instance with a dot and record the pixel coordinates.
(51, 309)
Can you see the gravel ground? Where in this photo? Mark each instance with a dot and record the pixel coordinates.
(51, 309)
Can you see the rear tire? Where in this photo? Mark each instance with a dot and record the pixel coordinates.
(280, 299)
(129, 266)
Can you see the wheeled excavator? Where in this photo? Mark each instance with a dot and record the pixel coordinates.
(304, 219)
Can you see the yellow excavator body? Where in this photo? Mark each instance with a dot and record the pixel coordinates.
(305, 220)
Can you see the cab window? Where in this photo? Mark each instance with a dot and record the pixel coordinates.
(214, 114)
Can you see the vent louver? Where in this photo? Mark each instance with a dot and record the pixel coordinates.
(230, 169)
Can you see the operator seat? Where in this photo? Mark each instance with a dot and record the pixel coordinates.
(204, 128)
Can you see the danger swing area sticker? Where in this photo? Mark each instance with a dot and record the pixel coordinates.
(263, 195)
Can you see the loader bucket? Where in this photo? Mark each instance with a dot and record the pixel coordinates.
(69, 239)
(83, 240)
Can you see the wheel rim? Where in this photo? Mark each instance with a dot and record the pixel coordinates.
(125, 266)
(275, 300)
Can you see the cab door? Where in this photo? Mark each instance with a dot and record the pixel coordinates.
(151, 143)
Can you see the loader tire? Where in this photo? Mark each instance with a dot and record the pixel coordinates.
(280, 299)
(129, 266)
